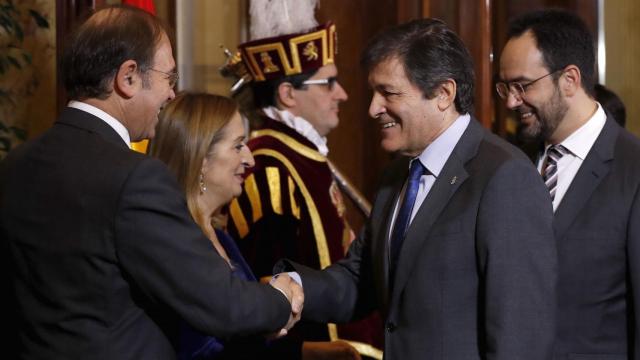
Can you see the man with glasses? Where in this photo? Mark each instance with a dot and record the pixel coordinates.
(291, 206)
(590, 167)
(101, 252)
(171, 76)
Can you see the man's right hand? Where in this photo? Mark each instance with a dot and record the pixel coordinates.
(293, 292)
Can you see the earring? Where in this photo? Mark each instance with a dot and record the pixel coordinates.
(203, 187)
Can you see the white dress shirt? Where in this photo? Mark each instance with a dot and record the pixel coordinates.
(110, 120)
(579, 144)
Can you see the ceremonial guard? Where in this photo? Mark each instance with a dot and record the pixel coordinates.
(291, 206)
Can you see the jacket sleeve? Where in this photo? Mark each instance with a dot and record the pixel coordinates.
(633, 259)
(169, 259)
(343, 291)
(517, 264)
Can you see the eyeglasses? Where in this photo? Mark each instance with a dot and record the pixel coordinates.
(171, 76)
(516, 88)
(330, 82)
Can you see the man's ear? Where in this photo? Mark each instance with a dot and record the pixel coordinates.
(570, 80)
(446, 94)
(286, 95)
(128, 79)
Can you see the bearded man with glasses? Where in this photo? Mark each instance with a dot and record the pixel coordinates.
(589, 164)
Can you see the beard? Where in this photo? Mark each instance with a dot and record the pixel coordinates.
(547, 118)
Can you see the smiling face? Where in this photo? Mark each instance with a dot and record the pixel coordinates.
(542, 107)
(408, 121)
(224, 166)
(155, 92)
(319, 104)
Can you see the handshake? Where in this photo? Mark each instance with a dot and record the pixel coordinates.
(293, 292)
(311, 350)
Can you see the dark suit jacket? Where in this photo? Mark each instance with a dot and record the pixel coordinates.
(106, 257)
(597, 228)
(477, 270)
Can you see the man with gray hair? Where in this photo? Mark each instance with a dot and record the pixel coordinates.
(458, 253)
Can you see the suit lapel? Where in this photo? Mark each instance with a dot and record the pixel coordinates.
(382, 222)
(596, 166)
(451, 177)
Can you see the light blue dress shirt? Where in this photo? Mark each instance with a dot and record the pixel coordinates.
(433, 158)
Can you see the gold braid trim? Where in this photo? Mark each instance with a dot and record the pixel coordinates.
(238, 218)
(273, 180)
(294, 144)
(366, 349)
(362, 348)
(251, 189)
(316, 222)
(295, 209)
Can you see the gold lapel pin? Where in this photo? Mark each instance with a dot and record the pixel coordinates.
(453, 180)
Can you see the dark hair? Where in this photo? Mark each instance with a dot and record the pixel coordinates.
(611, 103)
(563, 39)
(265, 93)
(431, 54)
(101, 44)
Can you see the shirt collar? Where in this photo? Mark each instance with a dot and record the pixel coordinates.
(437, 153)
(110, 120)
(580, 141)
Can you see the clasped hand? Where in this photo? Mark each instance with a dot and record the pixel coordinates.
(295, 295)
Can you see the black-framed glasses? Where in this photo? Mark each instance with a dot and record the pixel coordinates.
(518, 89)
(330, 82)
(171, 76)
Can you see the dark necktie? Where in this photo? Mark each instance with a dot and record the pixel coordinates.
(404, 212)
(550, 175)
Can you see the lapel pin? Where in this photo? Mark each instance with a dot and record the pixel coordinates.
(453, 180)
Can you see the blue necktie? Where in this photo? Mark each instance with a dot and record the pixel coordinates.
(404, 213)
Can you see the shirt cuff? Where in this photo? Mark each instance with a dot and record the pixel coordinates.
(292, 274)
(296, 277)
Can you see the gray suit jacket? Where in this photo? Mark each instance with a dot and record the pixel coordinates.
(597, 227)
(477, 271)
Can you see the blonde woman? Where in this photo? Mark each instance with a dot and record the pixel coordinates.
(201, 137)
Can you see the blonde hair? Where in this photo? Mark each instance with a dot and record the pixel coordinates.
(188, 128)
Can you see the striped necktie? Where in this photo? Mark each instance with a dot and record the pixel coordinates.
(550, 175)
